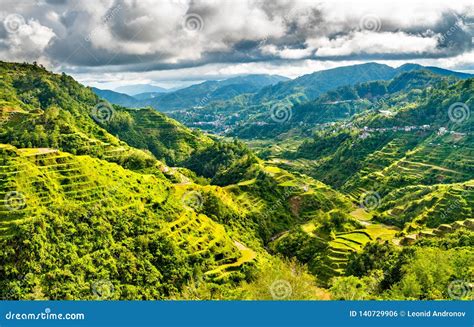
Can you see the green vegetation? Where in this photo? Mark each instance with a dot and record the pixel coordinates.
(106, 202)
(385, 271)
(195, 96)
(165, 138)
(84, 209)
(413, 165)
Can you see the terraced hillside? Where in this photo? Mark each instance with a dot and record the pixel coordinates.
(440, 231)
(86, 203)
(168, 140)
(57, 194)
(282, 199)
(46, 189)
(396, 123)
(341, 247)
(416, 207)
(374, 153)
(438, 159)
(328, 241)
(60, 198)
(75, 198)
(407, 180)
(44, 110)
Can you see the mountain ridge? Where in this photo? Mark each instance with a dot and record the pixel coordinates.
(163, 220)
(134, 202)
(135, 89)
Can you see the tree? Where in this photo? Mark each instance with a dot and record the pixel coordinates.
(348, 288)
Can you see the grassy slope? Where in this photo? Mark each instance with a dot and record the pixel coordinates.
(151, 231)
(167, 139)
(101, 221)
(80, 205)
(423, 180)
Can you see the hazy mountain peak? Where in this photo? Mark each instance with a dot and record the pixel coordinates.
(139, 88)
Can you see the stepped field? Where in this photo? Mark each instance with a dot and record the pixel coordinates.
(61, 195)
(329, 253)
(441, 159)
(165, 138)
(94, 195)
(76, 198)
(415, 207)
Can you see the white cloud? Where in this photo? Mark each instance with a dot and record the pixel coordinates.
(119, 37)
(464, 61)
(145, 28)
(27, 41)
(286, 53)
(374, 43)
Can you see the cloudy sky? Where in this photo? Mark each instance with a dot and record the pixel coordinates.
(108, 43)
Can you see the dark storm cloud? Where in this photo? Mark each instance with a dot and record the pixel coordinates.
(57, 2)
(142, 35)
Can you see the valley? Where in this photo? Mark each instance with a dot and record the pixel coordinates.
(350, 183)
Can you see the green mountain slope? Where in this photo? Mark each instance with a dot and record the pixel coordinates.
(90, 207)
(312, 85)
(86, 210)
(198, 95)
(116, 97)
(167, 139)
(316, 98)
(75, 220)
(414, 207)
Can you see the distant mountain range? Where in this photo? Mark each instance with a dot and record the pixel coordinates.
(201, 94)
(197, 95)
(146, 95)
(116, 97)
(339, 104)
(306, 97)
(310, 86)
(140, 88)
(362, 184)
(257, 90)
(436, 70)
